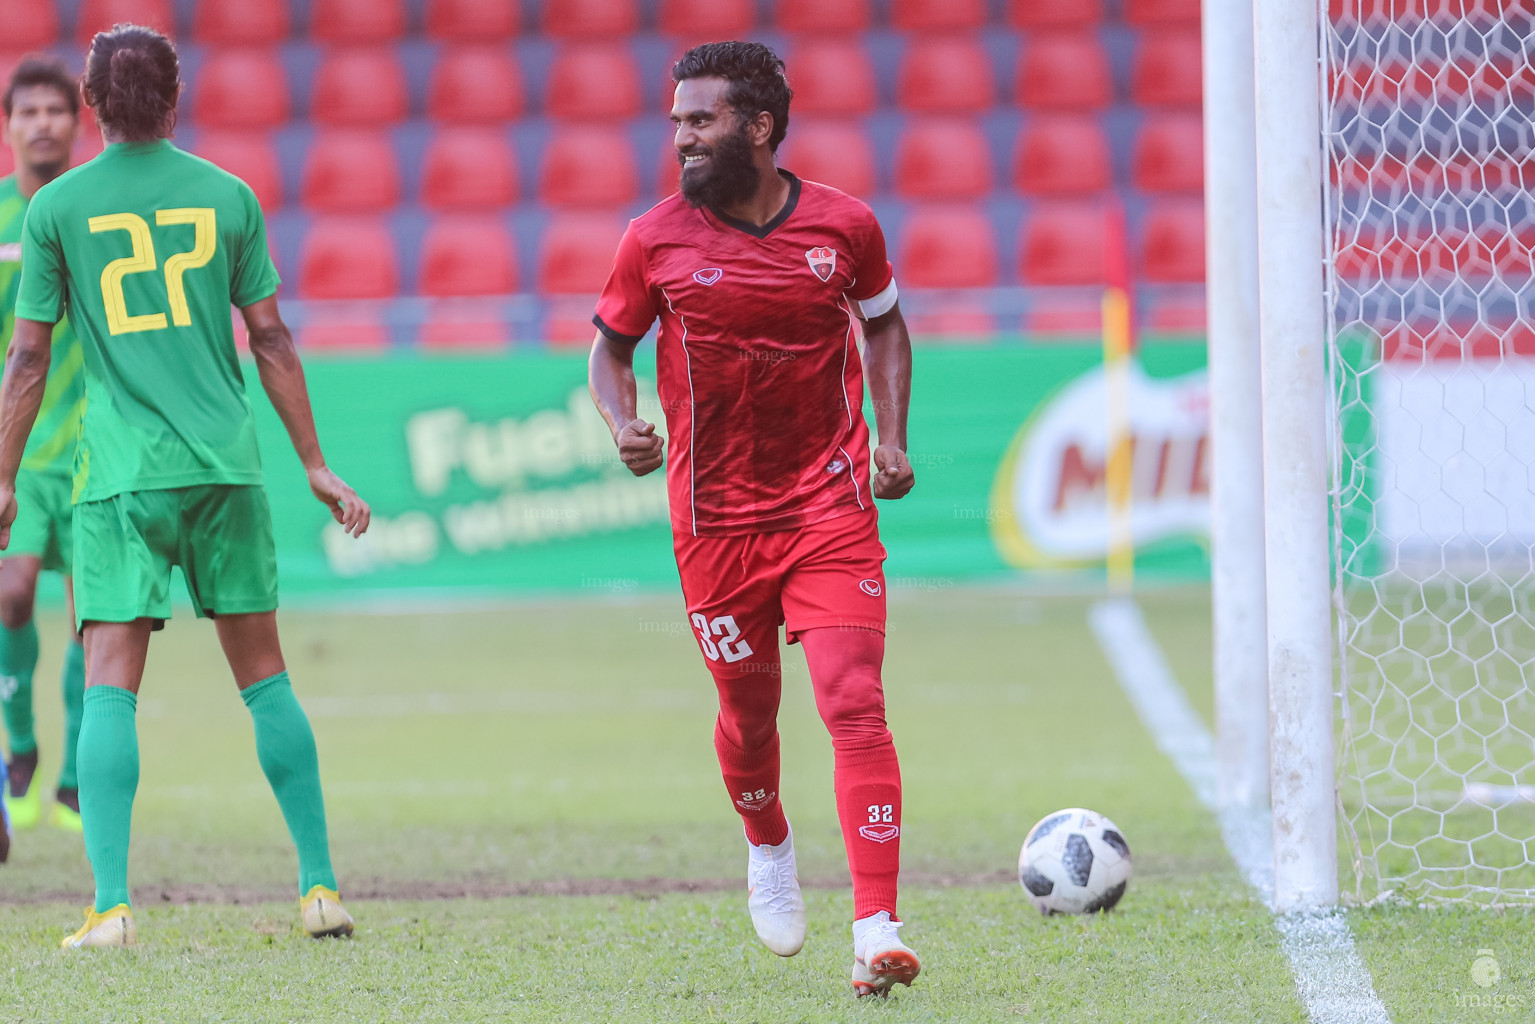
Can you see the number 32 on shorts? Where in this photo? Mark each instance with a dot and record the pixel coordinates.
(732, 647)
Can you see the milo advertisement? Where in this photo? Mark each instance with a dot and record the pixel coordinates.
(1050, 489)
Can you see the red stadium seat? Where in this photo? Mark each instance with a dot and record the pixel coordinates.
(469, 168)
(1168, 154)
(248, 156)
(576, 253)
(832, 76)
(472, 21)
(359, 87)
(1064, 71)
(473, 323)
(948, 247)
(1065, 244)
(241, 89)
(351, 171)
(467, 257)
(1162, 12)
(100, 15)
(948, 74)
(833, 153)
(350, 330)
(1175, 314)
(708, 19)
(29, 24)
(821, 16)
(946, 159)
(348, 258)
(475, 84)
(357, 21)
(588, 165)
(590, 19)
(668, 171)
(593, 80)
(1173, 243)
(240, 22)
(1166, 71)
(1066, 313)
(926, 15)
(1064, 154)
(956, 316)
(1036, 14)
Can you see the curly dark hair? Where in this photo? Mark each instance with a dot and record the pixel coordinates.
(42, 69)
(756, 76)
(132, 79)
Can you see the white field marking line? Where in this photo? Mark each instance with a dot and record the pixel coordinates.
(1333, 982)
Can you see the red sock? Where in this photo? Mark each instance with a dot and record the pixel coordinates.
(868, 785)
(845, 669)
(752, 779)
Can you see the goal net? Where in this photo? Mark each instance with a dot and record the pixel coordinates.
(1430, 152)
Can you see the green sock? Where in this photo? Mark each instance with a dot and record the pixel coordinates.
(74, 708)
(285, 748)
(109, 776)
(18, 660)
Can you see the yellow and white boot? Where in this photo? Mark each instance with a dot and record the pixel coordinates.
(112, 927)
(323, 915)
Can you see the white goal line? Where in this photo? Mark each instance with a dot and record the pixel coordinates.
(1332, 981)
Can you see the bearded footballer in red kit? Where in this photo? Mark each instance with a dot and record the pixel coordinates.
(757, 278)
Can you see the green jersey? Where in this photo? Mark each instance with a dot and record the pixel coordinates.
(147, 247)
(51, 447)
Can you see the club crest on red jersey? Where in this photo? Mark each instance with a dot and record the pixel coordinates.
(708, 275)
(822, 260)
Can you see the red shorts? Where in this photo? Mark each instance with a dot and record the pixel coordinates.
(740, 588)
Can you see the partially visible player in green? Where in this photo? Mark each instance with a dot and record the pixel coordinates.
(42, 117)
(147, 247)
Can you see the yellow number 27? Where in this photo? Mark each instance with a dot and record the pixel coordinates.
(204, 241)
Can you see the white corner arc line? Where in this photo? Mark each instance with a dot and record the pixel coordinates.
(1331, 979)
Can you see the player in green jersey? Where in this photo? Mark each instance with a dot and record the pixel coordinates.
(148, 247)
(42, 117)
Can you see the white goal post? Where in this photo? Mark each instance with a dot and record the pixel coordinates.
(1295, 464)
(1395, 145)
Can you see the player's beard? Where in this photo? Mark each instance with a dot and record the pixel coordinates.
(46, 169)
(49, 170)
(729, 177)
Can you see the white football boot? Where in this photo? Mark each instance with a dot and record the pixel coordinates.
(777, 908)
(880, 959)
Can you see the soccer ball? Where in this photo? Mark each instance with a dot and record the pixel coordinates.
(1074, 862)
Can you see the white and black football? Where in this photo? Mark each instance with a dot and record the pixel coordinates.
(1074, 861)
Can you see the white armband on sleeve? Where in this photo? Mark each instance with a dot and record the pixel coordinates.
(877, 305)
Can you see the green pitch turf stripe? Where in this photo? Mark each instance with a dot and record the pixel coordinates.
(1333, 982)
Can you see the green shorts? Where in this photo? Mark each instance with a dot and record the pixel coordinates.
(220, 535)
(43, 516)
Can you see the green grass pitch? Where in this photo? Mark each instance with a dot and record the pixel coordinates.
(529, 825)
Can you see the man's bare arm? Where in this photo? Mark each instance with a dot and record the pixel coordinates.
(887, 366)
(282, 377)
(610, 379)
(21, 396)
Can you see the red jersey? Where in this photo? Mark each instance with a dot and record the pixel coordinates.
(757, 365)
